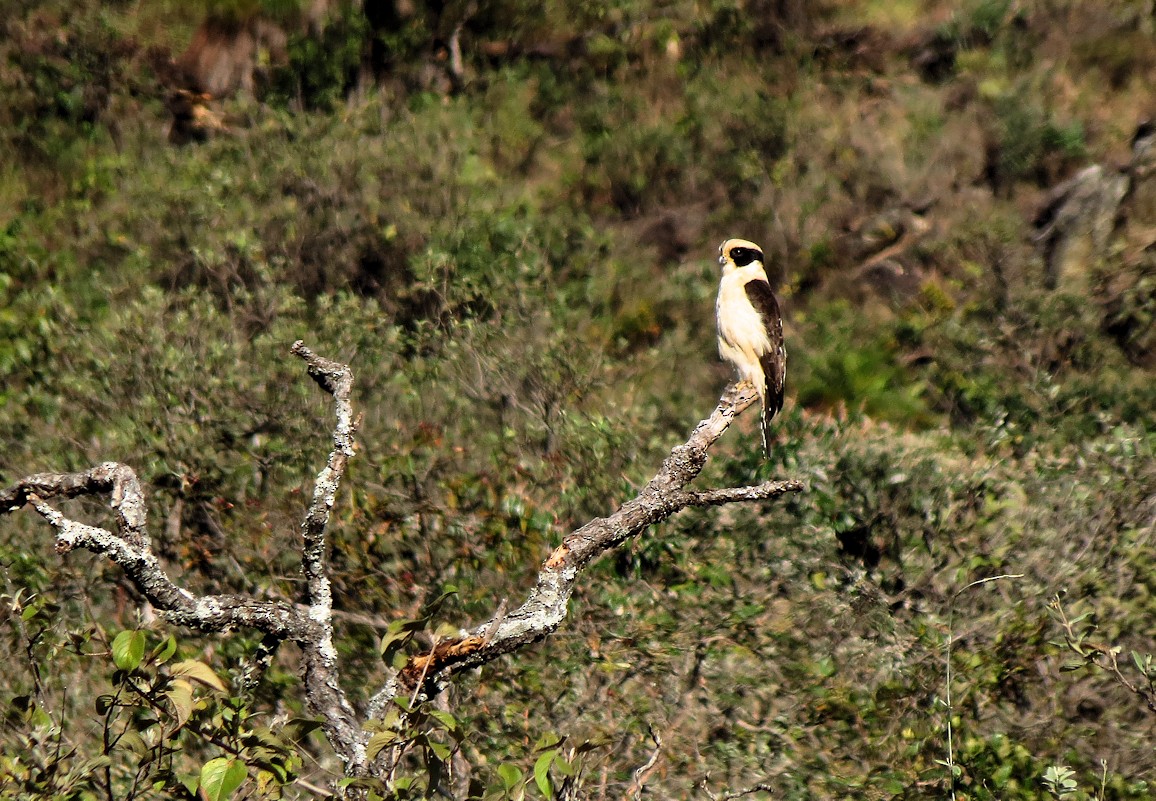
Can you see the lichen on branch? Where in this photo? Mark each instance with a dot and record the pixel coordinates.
(310, 623)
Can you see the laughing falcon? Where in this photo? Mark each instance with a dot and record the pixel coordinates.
(750, 328)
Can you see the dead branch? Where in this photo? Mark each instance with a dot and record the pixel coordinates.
(642, 773)
(321, 672)
(310, 624)
(545, 608)
(761, 787)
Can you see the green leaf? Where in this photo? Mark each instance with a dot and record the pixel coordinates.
(298, 728)
(267, 783)
(433, 605)
(542, 773)
(510, 775)
(221, 777)
(200, 672)
(128, 649)
(190, 783)
(132, 741)
(598, 741)
(548, 741)
(164, 652)
(397, 636)
(378, 742)
(441, 750)
(448, 721)
(397, 630)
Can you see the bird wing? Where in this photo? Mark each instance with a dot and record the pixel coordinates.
(774, 360)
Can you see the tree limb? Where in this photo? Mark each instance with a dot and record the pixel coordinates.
(127, 499)
(545, 608)
(131, 551)
(761, 787)
(321, 678)
(310, 626)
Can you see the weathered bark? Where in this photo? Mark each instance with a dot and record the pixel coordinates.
(322, 687)
(546, 606)
(309, 624)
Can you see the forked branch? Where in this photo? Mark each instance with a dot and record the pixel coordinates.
(310, 626)
(310, 623)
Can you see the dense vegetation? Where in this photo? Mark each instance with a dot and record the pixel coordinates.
(519, 265)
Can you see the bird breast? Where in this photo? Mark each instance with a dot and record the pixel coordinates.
(740, 326)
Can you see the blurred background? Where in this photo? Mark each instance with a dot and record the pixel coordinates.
(505, 216)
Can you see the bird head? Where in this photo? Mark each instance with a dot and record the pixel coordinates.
(735, 253)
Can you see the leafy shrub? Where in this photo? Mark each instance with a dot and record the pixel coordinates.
(322, 69)
(839, 366)
(1031, 144)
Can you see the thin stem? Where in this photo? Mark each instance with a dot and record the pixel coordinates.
(947, 649)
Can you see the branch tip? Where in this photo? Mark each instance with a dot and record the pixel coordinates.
(545, 608)
(334, 377)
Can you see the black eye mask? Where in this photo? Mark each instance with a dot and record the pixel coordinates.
(744, 256)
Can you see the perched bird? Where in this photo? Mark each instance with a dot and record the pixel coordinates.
(750, 327)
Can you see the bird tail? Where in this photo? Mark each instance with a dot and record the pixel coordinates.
(765, 425)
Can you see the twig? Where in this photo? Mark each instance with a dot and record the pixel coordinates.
(495, 622)
(947, 659)
(642, 774)
(762, 787)
(1102, 656)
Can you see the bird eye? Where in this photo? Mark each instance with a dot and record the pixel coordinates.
(741, 256)
(744, 256)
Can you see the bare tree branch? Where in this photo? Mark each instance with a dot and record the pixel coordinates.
(322, 686)
(179, 606)
(642, 774)
(761, 787)
(310, 624)
(126, 499)
(545, 608)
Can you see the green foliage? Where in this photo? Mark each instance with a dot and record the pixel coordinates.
(64, 64)
(320, 70)
(1031, 143)
(521, 275)
(155, 710)
(855, 369)
(1059, 781)
(1129, 297)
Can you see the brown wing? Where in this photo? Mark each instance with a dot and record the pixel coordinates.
(774, 361)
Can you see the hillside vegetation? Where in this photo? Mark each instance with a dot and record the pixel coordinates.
(517, 258)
